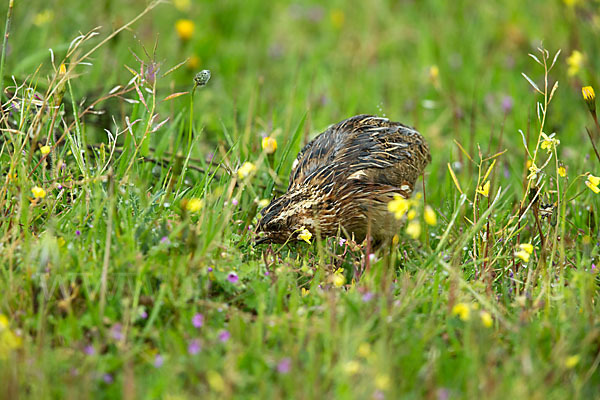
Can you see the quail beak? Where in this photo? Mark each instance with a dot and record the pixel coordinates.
(262, 240)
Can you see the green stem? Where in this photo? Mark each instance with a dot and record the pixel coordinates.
(191, 119)
(4, 44)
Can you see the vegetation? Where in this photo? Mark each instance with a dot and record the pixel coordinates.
(130, 195)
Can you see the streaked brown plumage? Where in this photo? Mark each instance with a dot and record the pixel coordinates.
(344, 178)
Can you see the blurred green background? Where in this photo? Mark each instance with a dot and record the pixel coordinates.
(278, 60)
(452, 69)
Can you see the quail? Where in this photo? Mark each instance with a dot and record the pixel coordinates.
(342, 180)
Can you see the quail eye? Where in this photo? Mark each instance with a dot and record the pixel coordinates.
(278, 226)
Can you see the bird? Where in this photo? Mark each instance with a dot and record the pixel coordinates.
(342, 181)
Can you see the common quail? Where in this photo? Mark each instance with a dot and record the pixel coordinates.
(343, 179)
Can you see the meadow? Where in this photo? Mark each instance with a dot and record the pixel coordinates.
(130, 195)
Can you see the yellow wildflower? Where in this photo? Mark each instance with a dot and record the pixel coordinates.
(411, 215)
(594, 188)
(38, 192)
(395, 240)
(382, 382)
(523, 255)
(337, 18)
(575, 62)
(305, 235)
(588, 93)
(430, 217)
(484, 189)
(193, 63)
(304, 292)
(486, 319)
(262, 203)
(62, 69)
(215, 381)
(399, 206)
(269, 145)
(45, 150)
(533, 172)
(182, 5)
(528, 247)
(8, 340)
(463, 310)
(570, 3)
(572, 361)
(413, 229)
(524, 252)
(194, 205)
(246, 169)
(44, 17)
(338, 280)
(184, 28)
(434, 75)
(549, 142)
(590, 98)
(562, 171)
(352, 367)
(364, 350)
(592, 182)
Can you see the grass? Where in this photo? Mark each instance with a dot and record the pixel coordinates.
(135, 275)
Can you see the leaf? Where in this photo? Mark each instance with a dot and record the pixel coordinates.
(454, 179)
(464, 151)
(176, 67)
(553, 90)
(555, 58)
(525, 143)
(535, 58)
(532, 83)
(489, 171)
(174, 95)
(159, 125)
(141, 96)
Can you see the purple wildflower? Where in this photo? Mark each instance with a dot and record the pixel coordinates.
(234, 202)
(232, 277)
(59, 186)
(224, 336)
(342, 241)
(107, 378)
(210, 269)
(143, 314)
(507, 104)
(378, 395)
(442, 394)
(367, 297)
(284, 366)
(89, 350)
(78, 232)
(116, 331)
(198, 320)
(267, 273)
(164, 239)
(594, 269)
(150, 72)
(194, 347)
(158, 361)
